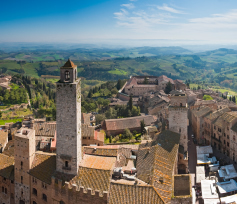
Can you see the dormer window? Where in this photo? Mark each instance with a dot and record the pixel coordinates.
(67, 75)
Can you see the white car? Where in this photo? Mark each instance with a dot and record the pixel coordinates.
(192, 136)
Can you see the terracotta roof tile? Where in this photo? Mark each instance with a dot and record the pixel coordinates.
(45, 129)
(98, 162)
(156, 161)
(6, 166)
(9, 149)
(43, 167)
(120, 193)
(69, 64)
(123, 123)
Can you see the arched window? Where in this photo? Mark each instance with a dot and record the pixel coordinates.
(34, 191)
(67, 75)
(44, 197)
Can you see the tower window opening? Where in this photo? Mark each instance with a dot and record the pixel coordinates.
(67, 75)
(66, 163)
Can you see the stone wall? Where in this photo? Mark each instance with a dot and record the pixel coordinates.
(76, 195)
(178, 122)
(68, 104)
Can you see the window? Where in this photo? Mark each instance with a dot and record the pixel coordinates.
(34, 202)
(21, 165)
(21, 179)
(214, 135)
(228, 137)
(34, 180)
(2, 189)
(5, 190)
(224, 134)
(67, 75)
(66, 163)
(61, 202)
(181, 105)
(34, 191)
(234, 137)
(214, 127)
(44, 185)
(227, 144)
(224, 141)
(179, 129)
(44, 197)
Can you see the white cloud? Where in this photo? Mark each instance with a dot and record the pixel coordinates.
(165, 7)
(128, 6)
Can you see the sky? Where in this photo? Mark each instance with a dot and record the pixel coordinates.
(119, 21)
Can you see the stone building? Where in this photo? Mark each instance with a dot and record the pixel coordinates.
(91, 136)
(178, 122)
(68, 102)
(117, 126)
(148, 172)
(197, 121)
(139, 85)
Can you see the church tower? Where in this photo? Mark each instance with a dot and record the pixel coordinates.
(68, 116)
(178, 117)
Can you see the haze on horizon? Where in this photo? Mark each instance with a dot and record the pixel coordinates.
(121, 23)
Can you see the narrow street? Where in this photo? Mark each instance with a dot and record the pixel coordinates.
(192, 162)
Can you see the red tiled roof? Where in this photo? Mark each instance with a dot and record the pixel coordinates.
(69, 64)
(131, 122)
(98, 162)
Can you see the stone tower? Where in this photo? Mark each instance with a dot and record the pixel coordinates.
(178, 117)
(68, 104)
(24, 143)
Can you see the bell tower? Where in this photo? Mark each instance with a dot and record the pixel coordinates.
(68, 116)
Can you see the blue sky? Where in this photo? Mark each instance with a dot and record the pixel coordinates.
(92, 21)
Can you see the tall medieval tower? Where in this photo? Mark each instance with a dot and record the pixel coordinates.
(24, 143)
(68, 104)
(178, 117)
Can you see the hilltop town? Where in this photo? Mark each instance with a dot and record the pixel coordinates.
(186, 151)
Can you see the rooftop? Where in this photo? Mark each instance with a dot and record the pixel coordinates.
(69, 64)
(43, 166)
(227, 186)
(200, 174)
(7, 166)
(202, 111)
(227, 172)
(208, 189)
(131, 122)
(45, 129)
(229, 199)
(98, 162)
(204, 150)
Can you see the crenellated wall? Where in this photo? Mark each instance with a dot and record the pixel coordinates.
(71, 193)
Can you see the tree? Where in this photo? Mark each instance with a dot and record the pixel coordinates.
(142, 123)
(0, 114)
(145, 80)
(99, 118)
(230, 98)
(135, 111)
(130, 104)
(114, 91)
(234, 99)
(168, 88)
(207, 97)
(127, 134)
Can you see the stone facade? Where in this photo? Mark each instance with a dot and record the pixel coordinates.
(24, 155)
(68, 102)
(178, 118)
